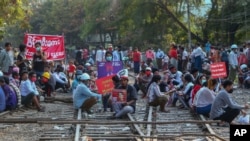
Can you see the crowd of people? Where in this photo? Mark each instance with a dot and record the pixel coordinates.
(164, 79)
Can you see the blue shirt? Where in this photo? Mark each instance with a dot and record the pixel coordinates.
(27, 87)
(81, 94)
(2, 100)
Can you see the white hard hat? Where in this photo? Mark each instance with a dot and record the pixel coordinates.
(87, 64)
(234, 46)
(84, 76)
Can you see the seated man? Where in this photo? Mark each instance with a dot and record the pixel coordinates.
(122, 109)
(144, 81)
(223, 107)
(2, 97)
(155, 96)
(84, 98)
(184, 96)
(61, 79)
(29, 91)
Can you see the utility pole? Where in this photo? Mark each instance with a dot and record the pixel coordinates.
(189, 32)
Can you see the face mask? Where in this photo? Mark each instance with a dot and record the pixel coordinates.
(33, 79)
(230, 91)
(148, 72)
(38, 49)
(44, 80)
(109, 58)
(203, 81)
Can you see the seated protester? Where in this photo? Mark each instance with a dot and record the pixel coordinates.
(195, 73)
(15, 79)
(2, 97)
(203, 100)
(242, 74)
(83, 97)
(136, 84)
(144, 81)
(106, 97)
(10, 95)
(61, 79)
(90, 60)
(17, 92)
(122, 109)
(184, 96)
(198, 84)
(29, 91)
(48, 88)
(88, 68)
(155, 96)
(76, 81)
(175, 76)
(223, 107)
(52, 79)
(247, 78)
(143, 65)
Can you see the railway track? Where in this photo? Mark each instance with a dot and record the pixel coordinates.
(134, 127)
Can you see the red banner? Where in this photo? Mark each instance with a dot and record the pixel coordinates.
(52, 46)
(218, 70)
(105, 85)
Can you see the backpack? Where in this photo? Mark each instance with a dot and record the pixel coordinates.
(11, 99)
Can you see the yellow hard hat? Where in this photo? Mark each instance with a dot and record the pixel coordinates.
(46, 75)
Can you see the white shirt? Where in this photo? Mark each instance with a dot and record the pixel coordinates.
(184, 55)
(233, 59)
(197, 52)
(99, 55)
(116, 55)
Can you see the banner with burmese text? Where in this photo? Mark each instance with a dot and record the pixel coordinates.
(52, 46)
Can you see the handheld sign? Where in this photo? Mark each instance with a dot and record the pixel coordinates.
(105, 85)
(218, 70)
(119, 95)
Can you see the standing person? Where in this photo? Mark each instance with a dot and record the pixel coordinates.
(116, 55)
(233, 62)
(79, 57)
(122, 109)
(224, 58)
(136, 60)
(159, 57)
(29, 91)
(198, 57)
(247, 52)
(100, 53)
(39, 60)
(223, 107)
(173, 55)
(71, 69)
(6, 60)
(22, 62)
(207, 48)
(242, 58)
(184, 59)
(83, 97)
(150, 55)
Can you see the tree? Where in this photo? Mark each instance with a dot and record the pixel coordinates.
(11, 12)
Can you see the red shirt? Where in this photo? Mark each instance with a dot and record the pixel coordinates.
(173, 53)
(72, 68)
(195, 90)
(136, 56)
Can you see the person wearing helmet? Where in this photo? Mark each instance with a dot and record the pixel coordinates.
(233, 62)
(84, 98)
(48, 88)
(76, 81)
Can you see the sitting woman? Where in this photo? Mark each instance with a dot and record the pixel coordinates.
(184, 96)
(61, 79)
(155, 96)
(204, 98)
(198, 84)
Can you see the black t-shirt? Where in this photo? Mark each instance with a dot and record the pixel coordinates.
(23, 65)
(38, 63)
(131, 94)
